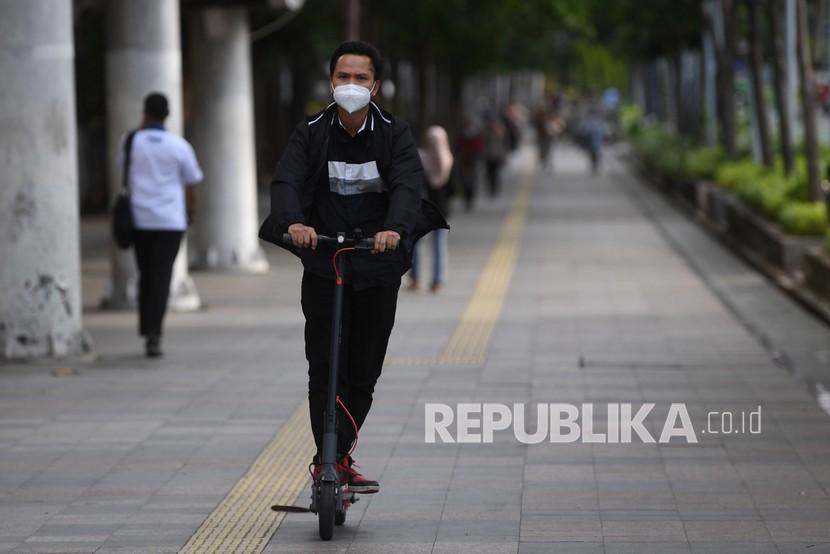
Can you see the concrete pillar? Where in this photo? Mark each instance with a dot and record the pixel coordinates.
(143, 56)
(40, 303)
(222, 133)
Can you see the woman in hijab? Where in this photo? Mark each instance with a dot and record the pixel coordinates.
(437, 160)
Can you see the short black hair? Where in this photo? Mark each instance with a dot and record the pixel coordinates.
(155, 105)
(358, 48)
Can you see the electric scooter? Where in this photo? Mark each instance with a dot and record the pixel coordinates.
(329, 497)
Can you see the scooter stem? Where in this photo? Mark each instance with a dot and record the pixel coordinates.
(329, 453)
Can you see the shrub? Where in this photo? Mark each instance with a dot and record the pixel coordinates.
(702, 163)
(804, 218)
(661, 151)
(730, 174)
(766, 193)
(827, 242)
(649, 140)
(670, 159)
(800, 171)
(631, 120)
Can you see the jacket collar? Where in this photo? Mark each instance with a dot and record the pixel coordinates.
(330, 112)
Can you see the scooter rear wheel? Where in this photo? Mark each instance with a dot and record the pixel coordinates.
(325, 510)
(340, 517)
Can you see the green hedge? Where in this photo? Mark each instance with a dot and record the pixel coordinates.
(661, 151)
(777, 197)
(631, 120)
(703, 163)
(734, 172)
(767, 193)
(804, 218)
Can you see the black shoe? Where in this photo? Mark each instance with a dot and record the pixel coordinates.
(152, 346)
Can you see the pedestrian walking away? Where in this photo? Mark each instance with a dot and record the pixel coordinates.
(468, 148)
(163, 172)
(353, 169)
(437, 160)
(495, 150)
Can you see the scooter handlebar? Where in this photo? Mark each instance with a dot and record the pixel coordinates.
(361, 244)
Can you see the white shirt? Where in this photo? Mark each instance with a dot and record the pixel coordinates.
(161, 165)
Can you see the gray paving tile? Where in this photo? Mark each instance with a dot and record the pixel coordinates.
(645, 547)
(643, 531)
(537, 528)
(724, 531)
(562, 546)
(736, 547)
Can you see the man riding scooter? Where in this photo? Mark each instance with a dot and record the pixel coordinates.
(351, 168)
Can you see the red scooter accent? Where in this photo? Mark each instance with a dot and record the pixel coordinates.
(337, 276)
(354, 425)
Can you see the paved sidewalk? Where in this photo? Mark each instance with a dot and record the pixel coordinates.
(604, 307)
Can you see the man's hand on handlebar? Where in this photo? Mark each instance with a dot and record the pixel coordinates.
(386, 240)
(303, 236)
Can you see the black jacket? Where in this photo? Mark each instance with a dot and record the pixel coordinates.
(300, 169)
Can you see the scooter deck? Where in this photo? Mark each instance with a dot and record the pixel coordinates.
(349, 498)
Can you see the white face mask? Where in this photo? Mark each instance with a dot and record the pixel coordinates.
(352, 97)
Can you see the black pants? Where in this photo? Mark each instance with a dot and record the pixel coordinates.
(467, 177)
(493, 170)
(155, 252)
(368, 317)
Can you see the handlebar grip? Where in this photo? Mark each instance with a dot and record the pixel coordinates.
(365, 244)
(362, 244)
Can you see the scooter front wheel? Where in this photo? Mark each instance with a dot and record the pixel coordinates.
(325, 510)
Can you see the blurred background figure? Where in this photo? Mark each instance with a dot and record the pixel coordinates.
(611, 101)
(594, 130)
(544, 135)
(513, 116)
(589, 129)
(468, 147)
(437, 160)
(495, 150)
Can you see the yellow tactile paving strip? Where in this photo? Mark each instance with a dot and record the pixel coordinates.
(243, 522)
(469, 343)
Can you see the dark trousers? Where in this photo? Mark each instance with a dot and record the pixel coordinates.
(155, 252)
(493, 170)
(368, 317)
(467, 177)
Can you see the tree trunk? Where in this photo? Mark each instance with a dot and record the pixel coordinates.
(725, 53)
(756, 65)
(808, 101)
(423, 91)
(819, 22)
(456, 101)
(785, 137)
(680, 114)
(664, 94)
(351, 19)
